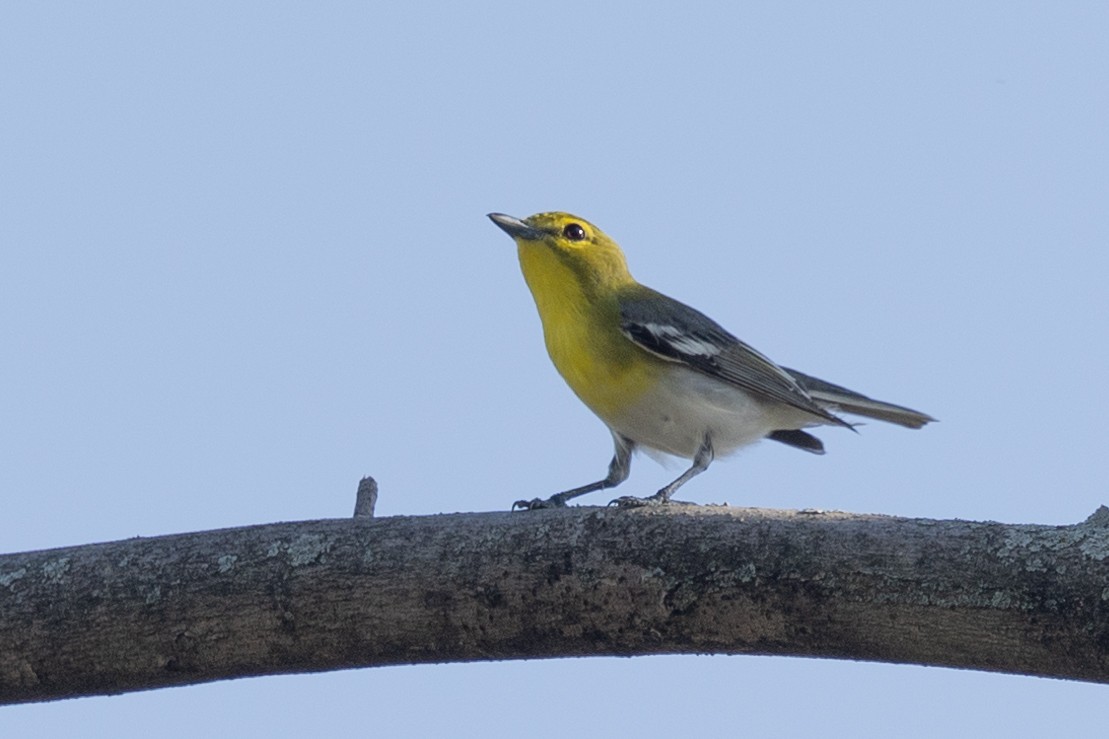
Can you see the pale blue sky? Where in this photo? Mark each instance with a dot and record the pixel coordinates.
(244, 260)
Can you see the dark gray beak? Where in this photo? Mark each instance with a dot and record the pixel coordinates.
(516, 228)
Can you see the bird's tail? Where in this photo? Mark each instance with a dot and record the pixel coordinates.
(849, 401)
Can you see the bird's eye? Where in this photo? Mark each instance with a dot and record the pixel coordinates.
(574, 232)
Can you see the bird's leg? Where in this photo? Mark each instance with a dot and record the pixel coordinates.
(701, 461)
(618, 470)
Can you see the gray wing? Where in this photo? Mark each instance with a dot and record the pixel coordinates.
(676, 332)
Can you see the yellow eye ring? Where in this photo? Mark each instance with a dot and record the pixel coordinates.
(574, 232)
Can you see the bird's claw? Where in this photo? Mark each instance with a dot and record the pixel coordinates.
(539, 503)
(630, 501)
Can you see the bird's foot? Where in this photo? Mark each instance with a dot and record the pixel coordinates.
(555, 501)
(630, 501)
(658, 499)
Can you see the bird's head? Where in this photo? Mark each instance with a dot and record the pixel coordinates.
(575, 242)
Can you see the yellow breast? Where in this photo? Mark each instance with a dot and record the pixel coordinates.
(581, 328)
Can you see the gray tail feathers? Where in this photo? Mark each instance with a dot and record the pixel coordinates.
(837, 398)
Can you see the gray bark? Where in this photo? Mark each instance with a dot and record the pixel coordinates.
(324, 595)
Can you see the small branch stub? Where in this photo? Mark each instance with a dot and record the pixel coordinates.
(365, 499)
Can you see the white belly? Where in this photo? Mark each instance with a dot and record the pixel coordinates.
(675, 417)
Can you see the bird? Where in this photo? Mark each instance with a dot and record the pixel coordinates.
(662, 376)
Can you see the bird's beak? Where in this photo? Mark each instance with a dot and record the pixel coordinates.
(516, 228)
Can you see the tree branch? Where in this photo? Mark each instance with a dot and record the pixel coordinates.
(332, 594)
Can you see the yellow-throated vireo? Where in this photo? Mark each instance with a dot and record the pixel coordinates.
(660, 374)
